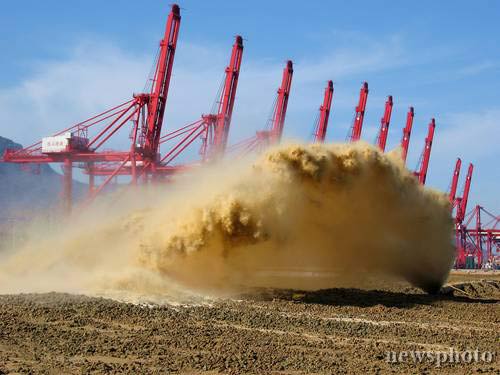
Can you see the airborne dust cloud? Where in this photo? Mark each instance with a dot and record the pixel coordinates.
(299, 216)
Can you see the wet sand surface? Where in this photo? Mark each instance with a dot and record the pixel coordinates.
(344, 330)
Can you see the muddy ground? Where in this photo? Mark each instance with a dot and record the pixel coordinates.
(347, 330)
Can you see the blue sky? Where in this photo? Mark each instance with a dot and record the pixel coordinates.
(63, 61)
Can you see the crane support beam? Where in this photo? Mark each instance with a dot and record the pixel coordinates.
(384, 124)
(111, 156)
(159, 89)
(324, 113)
(67, 193)
(405, 141)
(360, 114)
(279, 114)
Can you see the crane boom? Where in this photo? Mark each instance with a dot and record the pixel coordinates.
(426, 154)
(228, 95)
(159, 89)
(465, 195)
(384, 124)
(405, 141)
(454, 181)
(278, 120)
(324, 113)
(360, 114)
(461, 229)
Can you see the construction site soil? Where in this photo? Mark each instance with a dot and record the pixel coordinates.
(344, 330)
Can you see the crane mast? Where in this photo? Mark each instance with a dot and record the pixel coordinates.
(405, 141)
(462, 206)
(324, 113)
(278, 120)
(384, 124)
(159, 89)
(360, 114)
(426, 155)
(454, 181)
(228, 95)
(460, 228)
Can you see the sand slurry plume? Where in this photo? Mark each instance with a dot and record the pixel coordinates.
(298, 216)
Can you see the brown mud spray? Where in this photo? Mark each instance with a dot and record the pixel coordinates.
(296, 214)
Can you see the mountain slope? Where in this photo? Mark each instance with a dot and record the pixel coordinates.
(29, 188)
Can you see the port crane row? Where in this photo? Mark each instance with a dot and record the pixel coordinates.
(154, 154)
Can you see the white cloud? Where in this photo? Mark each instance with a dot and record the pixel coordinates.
(365, 58)
(60, 93)
(475, 134)
(474, 137)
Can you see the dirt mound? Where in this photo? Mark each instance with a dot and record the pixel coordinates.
(477, 289)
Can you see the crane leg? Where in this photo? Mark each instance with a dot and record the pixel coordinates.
(91, 178)
(67, 185)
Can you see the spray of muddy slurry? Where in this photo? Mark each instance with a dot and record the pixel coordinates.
(297, 216)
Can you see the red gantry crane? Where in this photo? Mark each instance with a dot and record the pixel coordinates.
(357, 125)
(275, 125)
(483, 240)
(279, 113)
(460, 204)
(476, 241)
(145, 113)
(324, 114)
(161, 83)
(384, 124)
(421, 172)
(405, 141)
(454, 182)
(223, 119)
(213, 129)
